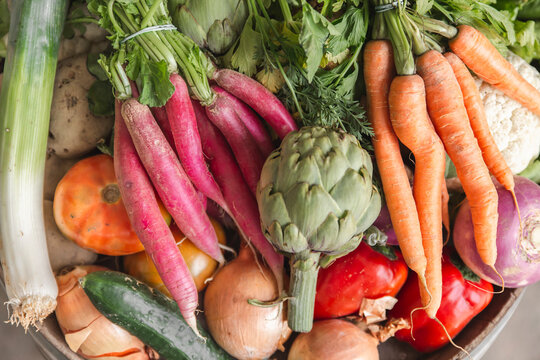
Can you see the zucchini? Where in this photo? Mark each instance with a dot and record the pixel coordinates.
(149, 315)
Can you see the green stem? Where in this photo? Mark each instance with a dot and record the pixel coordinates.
(291, 88)
(286, 11)
(82, 20)
(418, 44)
(150, 14)
(379, 28)
(351, 62)
(324, 9)
(304, 270)
(434, 26)
(402, 48)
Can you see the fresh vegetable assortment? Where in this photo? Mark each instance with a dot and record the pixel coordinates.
(310, 159)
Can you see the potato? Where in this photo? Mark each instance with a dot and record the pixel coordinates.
(55, 169)
(62, 252)
(73, 47)
(74, 130)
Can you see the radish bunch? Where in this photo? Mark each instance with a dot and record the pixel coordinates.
(189, 153)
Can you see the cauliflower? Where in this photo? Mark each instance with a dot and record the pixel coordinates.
(515, 129)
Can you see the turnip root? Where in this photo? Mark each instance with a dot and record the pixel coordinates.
(74, 130)
(62, 251)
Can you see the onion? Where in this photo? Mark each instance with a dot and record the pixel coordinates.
(384, 224)
(87, 332)
(334, 339)
(245, 331)
(518, 257)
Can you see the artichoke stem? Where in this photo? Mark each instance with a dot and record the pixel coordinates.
(304, 270)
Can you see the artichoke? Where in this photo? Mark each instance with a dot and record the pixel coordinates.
(212, 24)
(316, 198)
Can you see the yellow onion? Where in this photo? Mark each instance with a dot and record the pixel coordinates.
(245, 331)
(334, 340)
(86, 331)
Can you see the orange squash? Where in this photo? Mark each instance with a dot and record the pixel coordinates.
(200, 265)
(89, 210)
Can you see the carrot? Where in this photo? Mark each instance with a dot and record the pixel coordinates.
(447, 111)
(411, 123)
(187, 141)
(250, 159)
(258, 98)
(147, 221)
(378, 73)
(236, 192)
(172, 184)
(252, 122)
(477, 116)
(479, 54)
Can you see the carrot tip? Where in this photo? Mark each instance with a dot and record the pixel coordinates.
(450, 338)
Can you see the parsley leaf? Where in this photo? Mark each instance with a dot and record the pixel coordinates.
(244, 57)
(315, 31)
(156, 86)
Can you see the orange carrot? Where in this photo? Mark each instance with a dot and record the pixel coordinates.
(378, 73)
(479, 54)
(411, 123)
(477, 116)
(447, 111)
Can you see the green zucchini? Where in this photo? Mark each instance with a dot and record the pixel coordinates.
(149, 315)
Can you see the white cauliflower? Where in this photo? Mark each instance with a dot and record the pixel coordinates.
(516, 129)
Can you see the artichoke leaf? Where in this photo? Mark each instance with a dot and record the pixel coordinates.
(308, 206)
(371, 212)
(274, 208)
(357, 183)
(221, 36)
(190, 26)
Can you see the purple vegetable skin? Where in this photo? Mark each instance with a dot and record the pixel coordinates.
(518, 257)
(384, 224)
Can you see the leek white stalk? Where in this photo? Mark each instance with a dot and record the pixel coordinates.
(25, 102)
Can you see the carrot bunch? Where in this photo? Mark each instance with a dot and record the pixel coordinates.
(431, 105)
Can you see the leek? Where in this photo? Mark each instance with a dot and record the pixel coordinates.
(25, 102)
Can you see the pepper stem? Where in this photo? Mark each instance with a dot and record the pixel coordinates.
(304, 270)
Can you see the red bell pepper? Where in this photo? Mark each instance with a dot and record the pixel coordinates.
(362, 273)
(462, 300)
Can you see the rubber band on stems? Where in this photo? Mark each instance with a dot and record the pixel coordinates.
(149, 29)
(387, 7)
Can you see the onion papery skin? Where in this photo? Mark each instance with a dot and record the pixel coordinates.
(518, 257)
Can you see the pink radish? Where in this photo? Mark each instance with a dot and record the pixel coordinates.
(147, 221)
(172, 184)
(252, 122)
(187, 141)
(236, 192)
(245, 149)
(160, 114)
(258, 98)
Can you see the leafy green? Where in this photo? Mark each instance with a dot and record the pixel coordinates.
(465, 271)
(314, 57)
(150, 57)
(315, 30)
(101, 98)
(245, 58)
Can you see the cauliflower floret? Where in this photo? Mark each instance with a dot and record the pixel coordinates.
(515, 129)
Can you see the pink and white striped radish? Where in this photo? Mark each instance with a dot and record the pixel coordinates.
(145, 217)
(187, 141)
(236, 192)
(258, 98)
(250, 159)
(172, 184)
(252, 122)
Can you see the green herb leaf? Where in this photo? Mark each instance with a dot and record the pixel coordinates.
(94, 68)
(387, 251)
(467, 273)
(315, 31)
(155, 84)
(101, 98)
(423, 6)
(244, 57)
